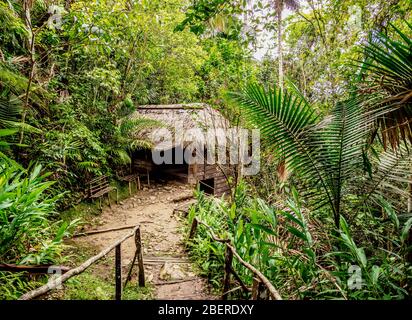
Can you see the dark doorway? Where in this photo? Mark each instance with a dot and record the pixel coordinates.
(207, 186)
(177, 169)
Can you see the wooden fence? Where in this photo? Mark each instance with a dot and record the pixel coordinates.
(56, 282)
(260, 281)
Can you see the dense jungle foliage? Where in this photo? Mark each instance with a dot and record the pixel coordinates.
(327, 82)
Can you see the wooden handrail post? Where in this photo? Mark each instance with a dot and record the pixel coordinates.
(138, 242)
(228, 269)
(256, 288)
(193, 229)
(238, 279)
(265, 281)
(118, 272)
(54, 283)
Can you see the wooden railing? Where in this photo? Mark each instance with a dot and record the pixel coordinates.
(57, 282)
(260, 281)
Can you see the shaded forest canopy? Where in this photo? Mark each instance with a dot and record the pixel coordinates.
(327, 82)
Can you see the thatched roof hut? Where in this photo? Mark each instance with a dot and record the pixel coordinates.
(181, 120)
(187, 124)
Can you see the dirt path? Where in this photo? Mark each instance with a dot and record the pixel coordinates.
(166, 263)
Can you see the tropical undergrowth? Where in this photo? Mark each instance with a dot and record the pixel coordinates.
(304, 256)
(29, 230)
(338, 225)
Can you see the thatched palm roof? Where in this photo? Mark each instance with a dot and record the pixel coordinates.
(182, 119)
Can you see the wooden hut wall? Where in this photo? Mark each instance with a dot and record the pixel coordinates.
(199, 172)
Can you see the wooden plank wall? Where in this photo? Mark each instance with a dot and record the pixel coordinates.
(221, 186)
(209, 171)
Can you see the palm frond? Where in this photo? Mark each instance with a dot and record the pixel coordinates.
(282, 118)
(120, 156)
(287, 124)
(392, 174)
(339, 148)
(388, 85)
(323, 154)
(88, 166)
(10, 110)
(340, 143)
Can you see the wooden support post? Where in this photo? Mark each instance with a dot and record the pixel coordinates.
(228, 268)
(108, 199)
(138, 242)
(118, 272)
(238, 279)
(138, 183)
(259, 291)
(136, 254)
(255, 289)
(193, 229)
(272, 290)
(148, 178)
(129, 274)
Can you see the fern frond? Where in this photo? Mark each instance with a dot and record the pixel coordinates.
(120, 156)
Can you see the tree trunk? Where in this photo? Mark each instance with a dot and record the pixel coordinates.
(279, 10)
(27, 5)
